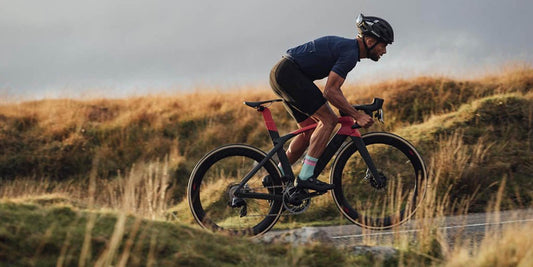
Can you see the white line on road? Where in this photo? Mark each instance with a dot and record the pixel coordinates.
(444, 227)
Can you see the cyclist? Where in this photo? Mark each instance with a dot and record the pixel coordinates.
(332, 57)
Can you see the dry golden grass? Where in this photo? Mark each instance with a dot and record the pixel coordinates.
(512, 247)
(145, 147)
(143, 191)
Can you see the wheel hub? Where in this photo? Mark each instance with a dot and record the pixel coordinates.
(379, 182)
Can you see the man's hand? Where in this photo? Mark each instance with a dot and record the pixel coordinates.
(363, 120)
(333, 93)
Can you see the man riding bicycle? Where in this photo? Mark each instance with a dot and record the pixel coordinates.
(332, 57)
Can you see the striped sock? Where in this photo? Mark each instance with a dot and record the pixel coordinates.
(308, 167)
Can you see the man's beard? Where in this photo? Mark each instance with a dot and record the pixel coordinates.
(374, 56)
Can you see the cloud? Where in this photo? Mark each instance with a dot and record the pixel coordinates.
(73, 46)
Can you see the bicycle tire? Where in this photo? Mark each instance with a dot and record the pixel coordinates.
(219, 172)
(361, 202)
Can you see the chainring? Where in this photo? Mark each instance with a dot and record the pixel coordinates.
(295, 200)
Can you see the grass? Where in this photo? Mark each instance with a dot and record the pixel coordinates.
(509, 248)
(62, 235)
(94, 181)
(53, 229)
(485, 141)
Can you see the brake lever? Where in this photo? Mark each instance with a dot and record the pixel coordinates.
(380, 115)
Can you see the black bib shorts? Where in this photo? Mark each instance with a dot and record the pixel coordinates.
(301, 97)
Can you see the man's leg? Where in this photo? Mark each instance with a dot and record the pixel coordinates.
(319, 139)
(327, 120)
(300, 143)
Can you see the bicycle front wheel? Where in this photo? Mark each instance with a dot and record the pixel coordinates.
(212, 186)
(364, 202)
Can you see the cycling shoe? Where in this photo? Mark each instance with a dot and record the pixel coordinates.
(313, 183)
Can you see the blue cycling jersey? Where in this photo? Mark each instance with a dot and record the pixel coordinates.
(330, 53)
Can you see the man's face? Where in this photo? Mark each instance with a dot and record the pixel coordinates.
(379, 50)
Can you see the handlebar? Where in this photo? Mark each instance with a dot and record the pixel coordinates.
(369, 109)
(376, 105)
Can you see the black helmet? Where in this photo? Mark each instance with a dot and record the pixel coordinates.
(376, 27)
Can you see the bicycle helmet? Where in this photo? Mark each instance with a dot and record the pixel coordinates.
(375, 27)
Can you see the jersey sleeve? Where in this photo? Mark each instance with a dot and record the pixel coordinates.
(344, 64)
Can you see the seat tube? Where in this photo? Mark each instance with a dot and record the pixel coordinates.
(269, 122)
(276, 140)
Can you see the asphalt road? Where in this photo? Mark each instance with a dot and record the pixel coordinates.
(472, 227)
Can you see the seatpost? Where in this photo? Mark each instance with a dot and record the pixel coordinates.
(269, 122)
(277, 141)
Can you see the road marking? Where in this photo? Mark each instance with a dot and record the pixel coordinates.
(444, 227)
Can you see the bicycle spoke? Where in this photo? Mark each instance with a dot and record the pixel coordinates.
(219, 200)
(362, 199)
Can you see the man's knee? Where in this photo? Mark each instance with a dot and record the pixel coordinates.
(330, 121)
(326, 115)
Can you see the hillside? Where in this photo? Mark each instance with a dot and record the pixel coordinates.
(99, 182)
(488, 120)
(36, 233)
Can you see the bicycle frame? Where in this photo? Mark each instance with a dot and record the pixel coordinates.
(348, 129)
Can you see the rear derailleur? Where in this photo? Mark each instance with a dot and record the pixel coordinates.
(237, 202)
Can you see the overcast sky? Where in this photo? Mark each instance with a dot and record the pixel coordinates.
(66, 48)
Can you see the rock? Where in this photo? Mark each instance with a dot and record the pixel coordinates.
(309, 235)
(301, 236)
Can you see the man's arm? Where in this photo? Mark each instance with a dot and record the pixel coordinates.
(334, 95)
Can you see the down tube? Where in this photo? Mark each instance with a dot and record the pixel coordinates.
(332, 148)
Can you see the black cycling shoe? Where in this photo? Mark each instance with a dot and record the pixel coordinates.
(313, 183)
(267, 181)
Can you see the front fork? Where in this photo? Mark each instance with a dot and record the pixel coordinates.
(363, 151)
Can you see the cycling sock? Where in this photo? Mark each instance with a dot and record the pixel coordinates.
(281, 168)
(308, 167)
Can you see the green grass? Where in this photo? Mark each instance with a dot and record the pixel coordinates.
(478, 145)
(46, 235)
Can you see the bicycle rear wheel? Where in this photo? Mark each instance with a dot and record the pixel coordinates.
(362, 201)
(216, 177)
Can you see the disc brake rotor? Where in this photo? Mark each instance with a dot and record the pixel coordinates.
(379, 183)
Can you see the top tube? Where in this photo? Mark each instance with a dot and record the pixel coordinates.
(347, 123)
(346, 127)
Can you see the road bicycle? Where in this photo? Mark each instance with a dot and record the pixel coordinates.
(379, 178)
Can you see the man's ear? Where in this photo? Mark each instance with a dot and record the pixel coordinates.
(370, 41)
